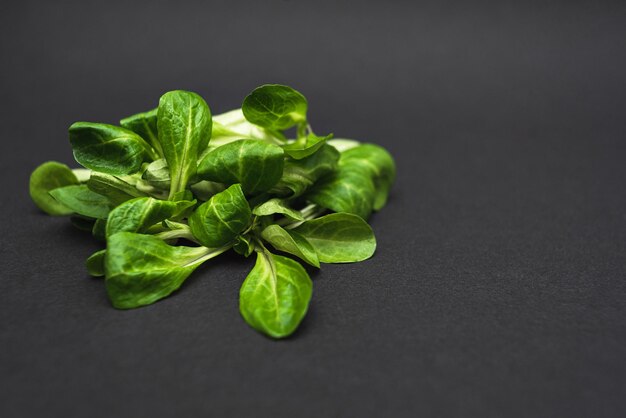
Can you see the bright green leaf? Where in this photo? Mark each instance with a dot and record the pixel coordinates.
(275, 296)
(95, 263)
(339, 238)
(222, 218)
(275, 107)
(291, 242)
(306, 146)
(49, 176)
(79, 199)
(145, 125)
(279, 206)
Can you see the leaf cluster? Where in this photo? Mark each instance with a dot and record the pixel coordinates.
(175, 186)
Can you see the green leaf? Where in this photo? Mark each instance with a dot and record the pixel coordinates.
(299, 175)
(222, 218)
(79, 199)
(255, 164)
(244, 245)
(95, 264)
(137, 215)
(99, 229)
(306, 146)
(204, 189)
(291, 242)
(141, 269)
(277, 205)
(107, 148)
(275, 107)
(232, 126)
(377, 163)
(275, 296)
(184, 128)
(145, 125)
(157, 174)
(49, 176)
(114, 188)
(339, 238)
(347, 190)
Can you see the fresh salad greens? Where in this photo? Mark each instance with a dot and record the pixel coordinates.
(176, 186)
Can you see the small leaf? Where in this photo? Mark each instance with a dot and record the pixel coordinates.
(299, 175)
(145, 125)
(339, 238)
(157, 174)
(275, 296)
(79, 199)
(222, 218)
(277, 205)
(291, 242)
(114, 188)
(299, 150)
(137, 215)
(107, 148)
(141, 269)
(95, 264)
(275, 107)
(255, 164)
(49, 176)
(184, 128)
(347, 190)
(244, 245)
(377, 163)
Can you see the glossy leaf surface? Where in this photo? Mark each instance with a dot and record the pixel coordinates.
(339, 238)
(45, 178)
(145, 125)
(277, 206)
(291, 242)
(275, 106)
(79, 199)
(275, 296)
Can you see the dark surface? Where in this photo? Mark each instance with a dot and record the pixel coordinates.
(498, 285)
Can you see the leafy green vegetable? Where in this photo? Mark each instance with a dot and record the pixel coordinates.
(275, 296)
(339, 238)
(275, 107)
(141, 269)
(184, 128)
(145, 125)
(47, 177)
(291, 242)
(108, 149)
(222, 218)
(277, 206)
(79, 199)
(256, 165)
(176, 175)
(137, 215)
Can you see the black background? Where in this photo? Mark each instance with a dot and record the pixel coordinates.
(498, 285)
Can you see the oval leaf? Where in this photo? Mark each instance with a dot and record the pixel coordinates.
(45, 178)
(275, 296)
(79, 199)
(145, 125)
(339, 238)
(107, 148)
(141, 269)
(95, 264)
(275, 106)
(137, 215)
(184, 129)
(277, 205)
(305, 147)
(291, 242)
(222, 218)
(255, 164)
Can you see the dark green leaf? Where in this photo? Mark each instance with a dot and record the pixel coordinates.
(107, 148)
(305, 146)
(137, 215)
(291, 242)
(274, 106)
(95, 263)
(184, 128)
(255, 164)
(82, 223)
(99, 229)
(49, 176)
(339, 238)
(145, 125)
(277, 205)
(300, 175)
(141, 269)
(83, 201)
(347, 190)
(377, 163)
(222, 218)
(275, 296)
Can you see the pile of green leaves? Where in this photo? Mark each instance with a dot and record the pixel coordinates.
(176, 174)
